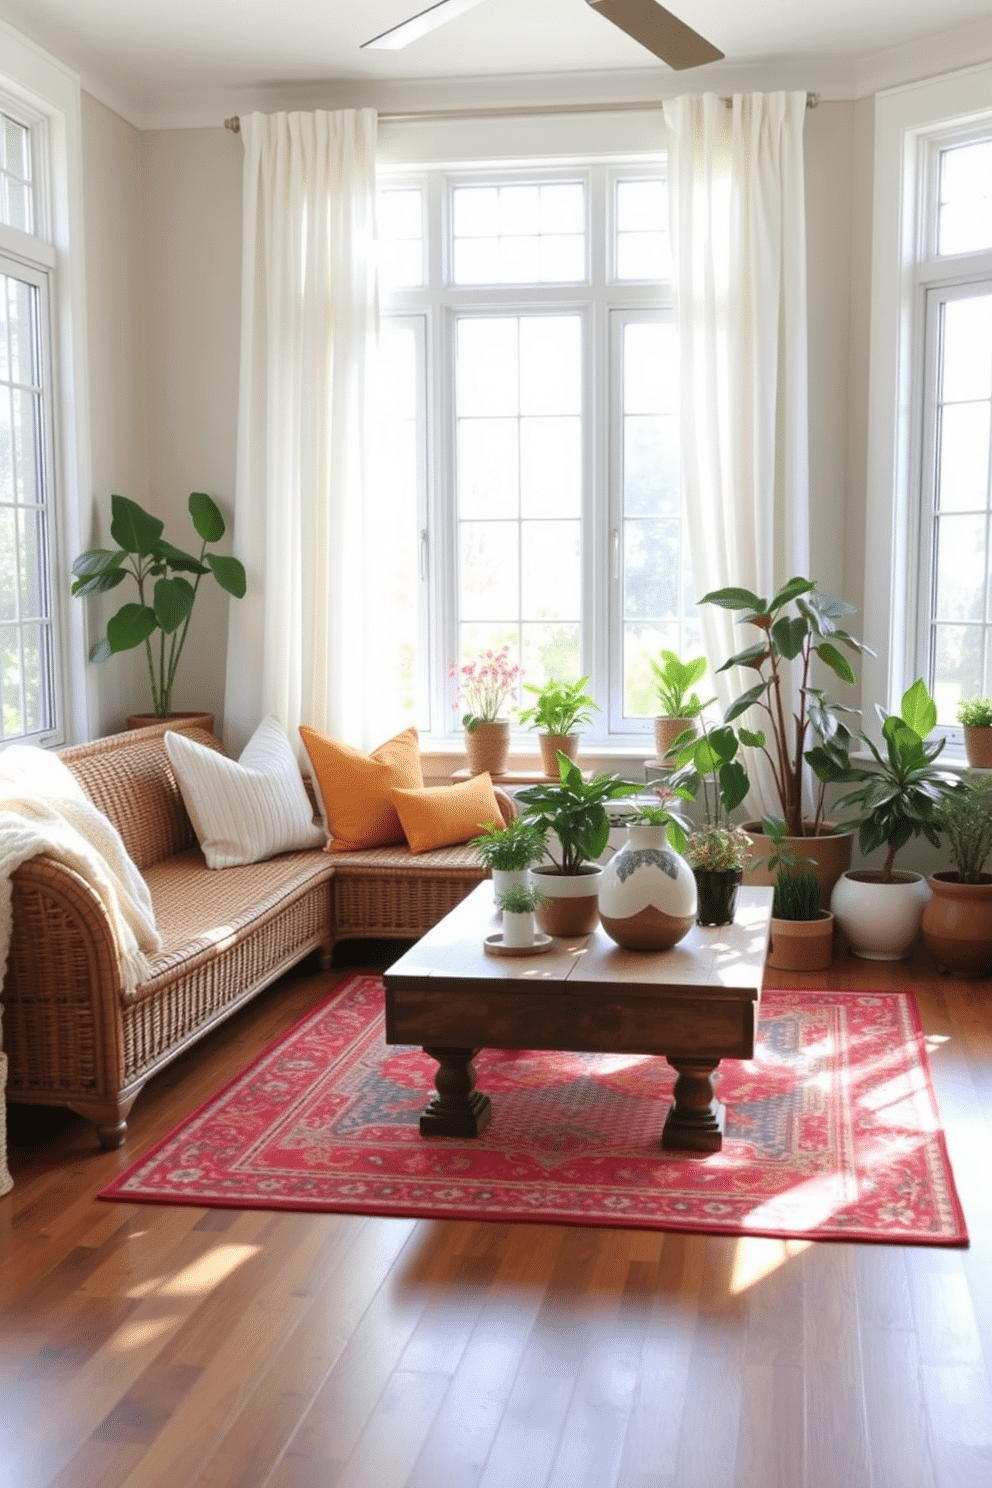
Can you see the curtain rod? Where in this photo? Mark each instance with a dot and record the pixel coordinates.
(518, 111)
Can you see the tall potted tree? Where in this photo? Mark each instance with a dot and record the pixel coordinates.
(571, 814)
(165, 593)
(799, 626)
(899, 796)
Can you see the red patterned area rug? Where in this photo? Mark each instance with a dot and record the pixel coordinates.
(832, 1132)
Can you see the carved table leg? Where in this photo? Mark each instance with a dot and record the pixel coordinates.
(458, 1109)
(696, 1119)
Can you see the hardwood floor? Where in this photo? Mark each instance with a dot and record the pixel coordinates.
(146, 1346)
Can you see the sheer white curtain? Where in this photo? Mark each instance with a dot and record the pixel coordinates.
(738, 229)
(299, 642)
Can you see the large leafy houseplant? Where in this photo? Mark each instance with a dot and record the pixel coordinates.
(165, 595)
(710, 771)
(796, 625)
(574, 809)
(902, 793)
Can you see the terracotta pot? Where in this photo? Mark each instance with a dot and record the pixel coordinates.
(881, 921)
(667, 730)
(978, 746)
(647, 895)
(832, 851)
(550, 746)
(802, 945)
(957, 924)
(716, 894)
(145, 720)
(487, 747)
(572, 900)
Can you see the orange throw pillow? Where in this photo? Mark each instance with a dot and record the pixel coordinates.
(354, 788)
(442, 815)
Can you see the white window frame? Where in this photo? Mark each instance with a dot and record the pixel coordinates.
(912, 124)
(40, 91)
(596, 299)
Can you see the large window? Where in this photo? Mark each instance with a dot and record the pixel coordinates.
(29, 649)
(533, 311)
(954, 648)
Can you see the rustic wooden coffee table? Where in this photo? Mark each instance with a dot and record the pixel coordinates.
(695, 1004)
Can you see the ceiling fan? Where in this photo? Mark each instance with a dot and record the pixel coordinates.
(651, 24)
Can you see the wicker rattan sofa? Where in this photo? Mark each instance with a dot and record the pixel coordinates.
(75, 1038)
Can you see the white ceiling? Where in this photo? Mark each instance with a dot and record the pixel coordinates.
(159, 60)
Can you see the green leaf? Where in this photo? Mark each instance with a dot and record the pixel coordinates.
(753, 739)
(734, 599)
(229, 573)
(789, 635)
(791, 591)
(753, 656)
(206, 516)
(132, 528)
(919, 710)
(131, 625)
(99, 583)
(178, 560)
(100, 650)
(173, 603)
(733, 784)
(746, 701)
(835, 660)
(98, 561)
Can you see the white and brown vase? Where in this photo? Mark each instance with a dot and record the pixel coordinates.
(647, 897)
(570, 904)
(487, 746)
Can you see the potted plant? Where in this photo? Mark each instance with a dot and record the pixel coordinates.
(573, 809)
(899, 796)
(485, 686)
(975, 716)
(798, 624)
(560, 709)
(518, 903)
(509, 851)
(647, 895)
(678, 705)
(801, 932)
(165, 595)
(957, 921)
(709, 767)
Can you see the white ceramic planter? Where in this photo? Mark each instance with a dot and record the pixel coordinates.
(504, 877)
(647, 895)
(572, 906)
(881, 922)
(518, 929)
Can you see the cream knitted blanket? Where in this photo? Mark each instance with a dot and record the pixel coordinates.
(43, 810)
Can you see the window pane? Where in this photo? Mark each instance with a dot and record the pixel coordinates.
(488, 467)
(489, 587)
(550, 650)
(562, 208)
(651, 466)
(486, 368)
(530, 233)
(960, 568)
(16, 188)
(966, 361)
(550, 571)
(27, 464)
(964, 219)
(32, 565)
(652, 558)
(642, 246)
(963, 476)
(8, 564)
(551, 466)
(650, 368)
(550, 365)
(958, 668)
(399, 224)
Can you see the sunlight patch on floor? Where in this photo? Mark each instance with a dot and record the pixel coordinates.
(209, 1271)
(756, 1257)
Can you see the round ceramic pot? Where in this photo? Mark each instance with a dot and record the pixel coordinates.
(666, 731)
(571, 904)
(978, 746)
(647, 895)
(831, 851)
(504, 877)
(802, 945)
(551, 744)
(518, 929)
(880, 921)
(487, 747)
(716, 894)
(957, 924)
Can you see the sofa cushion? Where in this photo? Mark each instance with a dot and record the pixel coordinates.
(354, 788)
(248, 809)
(442, 815)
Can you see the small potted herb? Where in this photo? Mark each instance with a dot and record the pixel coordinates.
(801, 932)
(509, 851)
(975, 717)
(678, 705)
(957, 922)
(560, 710)
(518, 903)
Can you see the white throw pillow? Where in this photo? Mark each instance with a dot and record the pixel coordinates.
(247, 809)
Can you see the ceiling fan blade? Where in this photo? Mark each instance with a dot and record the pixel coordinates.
(426, 20)
(659, 31)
